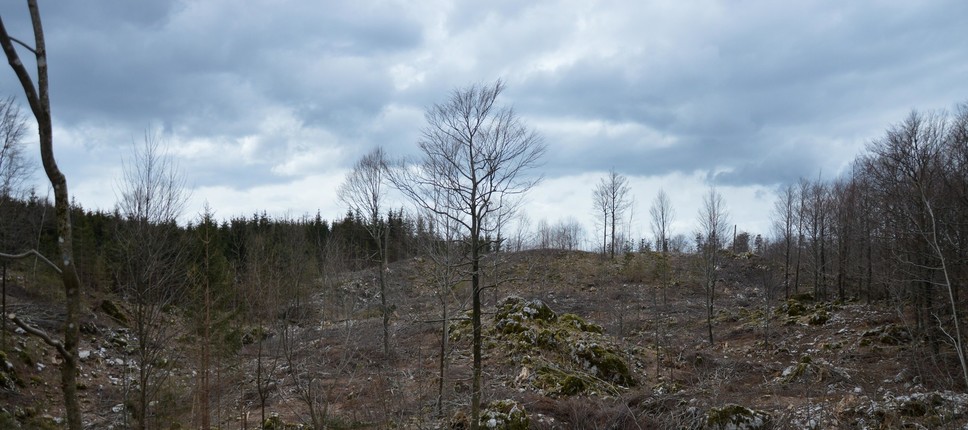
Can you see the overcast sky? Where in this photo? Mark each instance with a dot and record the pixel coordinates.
(266, 104)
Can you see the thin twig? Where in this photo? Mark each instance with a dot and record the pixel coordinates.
(24, 45)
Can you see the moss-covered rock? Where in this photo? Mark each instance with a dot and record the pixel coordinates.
(8, 374)
(736, 417)
(556, 382)
(276, 423)
(801, 309)
(114, 311)
(550, 339)
(937, 409)
(238, 337)
(809, 370)
(820, 317)
(795, 372)
(603, 362)
(572, 320)
(570, 355)
(517, 309)
(891, 334)
(751, 317)
(504, 415)
(27, 418)
(460, 328)
(8, 420)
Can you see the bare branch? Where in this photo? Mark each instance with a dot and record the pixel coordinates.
(41, 334)
(28, 253)
(28, 47)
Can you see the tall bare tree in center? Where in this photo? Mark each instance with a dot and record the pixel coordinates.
(662, 214)
(364, 192)
(150, 267)
(611, 197)
(39, 99)
(713, 223)
(479, 153)
(784, 220)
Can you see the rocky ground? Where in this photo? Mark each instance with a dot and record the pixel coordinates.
(572, 341)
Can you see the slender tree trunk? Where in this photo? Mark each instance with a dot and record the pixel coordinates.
(612, 248)
(604, 235)
(870, 266)
(476, 324)
(709, 308)
(823, 261)
(443, 357)
(796, 272)
(957, 338)
(39, 101)
(655, 315)
(476, 302)
(786, 267)
(384, 265)
(206, 335)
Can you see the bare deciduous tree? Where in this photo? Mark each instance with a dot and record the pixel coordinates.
(566, 234)
(150, 262)
(818, 219)
(600, 207)
(14, 169)
(364, 192)
(39, 99)
(611, 198)
(713, 223)
(444, 251)
(784, 220)
(662, 213)
(909, 167)
(479, 153)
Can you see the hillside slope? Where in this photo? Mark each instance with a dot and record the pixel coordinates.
(573, 341)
